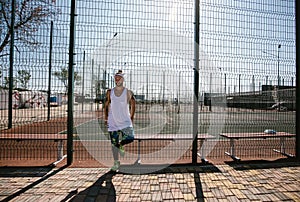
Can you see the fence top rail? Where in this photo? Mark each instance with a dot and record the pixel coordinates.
(33, 136)
(256, 135)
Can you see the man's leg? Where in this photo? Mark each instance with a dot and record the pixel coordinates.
(114, 138)
(127, 136)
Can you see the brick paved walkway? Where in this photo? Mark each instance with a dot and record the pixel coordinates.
(236, 182)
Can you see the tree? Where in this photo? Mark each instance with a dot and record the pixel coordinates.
(63, 76)
(29, 16)
(23, 78)
(6, 82)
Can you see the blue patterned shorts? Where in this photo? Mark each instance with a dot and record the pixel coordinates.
(126, 136)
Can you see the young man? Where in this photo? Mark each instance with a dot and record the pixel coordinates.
(119, 114)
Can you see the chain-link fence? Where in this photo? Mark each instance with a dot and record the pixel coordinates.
(246, 77)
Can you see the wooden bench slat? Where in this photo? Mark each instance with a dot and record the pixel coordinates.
(235, 136)
(171, 136)
(33, 136)
(256, 135)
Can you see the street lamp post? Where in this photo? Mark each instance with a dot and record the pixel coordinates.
(278, 76)
(278, 60)
(278, 72)
(106, 46)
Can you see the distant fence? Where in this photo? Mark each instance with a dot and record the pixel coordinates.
(263, 100)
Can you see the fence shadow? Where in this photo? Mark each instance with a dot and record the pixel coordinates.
(263, 164)
(17, 171)
(43, 172)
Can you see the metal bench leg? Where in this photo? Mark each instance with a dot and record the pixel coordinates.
(232, 151)
(59, 150)
(139, 152)
(282, 148)
(202, 156)
(60, 153)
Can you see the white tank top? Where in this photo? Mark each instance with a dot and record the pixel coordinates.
(118, 115)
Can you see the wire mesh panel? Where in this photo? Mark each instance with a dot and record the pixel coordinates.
(152, 42)
(38, 83)
(253, 43)
(246, 75)
(246, 65)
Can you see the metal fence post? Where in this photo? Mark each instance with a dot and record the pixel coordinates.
(11, 62)
(297, 13)
(82, 94)
(71, 86)
(50, 70)
(196, 81)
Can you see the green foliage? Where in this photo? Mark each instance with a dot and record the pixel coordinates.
(63, 76)
(6, 83)
(23, 78)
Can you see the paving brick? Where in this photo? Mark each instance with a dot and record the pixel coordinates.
(184, 188)
(292, 196)
(177, 194)
(156, 196)
(208, 194)
(166, 195)
(145, 197)
(123, 197)
(249, 194)
(145, 188)
(275, 184)
(218, 193)
(233, 199)
(189, 197)
(238, 193)
(227, 191)
(154, 187)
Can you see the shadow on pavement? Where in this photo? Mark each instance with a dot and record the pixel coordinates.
(263, 164)
(102, 190)
(199, 190)
(12, 171)
(194, 169)
(163, 169)
(43, 172)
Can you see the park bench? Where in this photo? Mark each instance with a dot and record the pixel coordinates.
(263, 135)
(171, 137)
(51, 137)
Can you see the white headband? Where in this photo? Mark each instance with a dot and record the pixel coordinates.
(119, 73)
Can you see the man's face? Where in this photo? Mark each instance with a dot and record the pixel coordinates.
(119, 80)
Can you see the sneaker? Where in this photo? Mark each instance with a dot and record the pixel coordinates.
(116, 166)
(121, 150)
